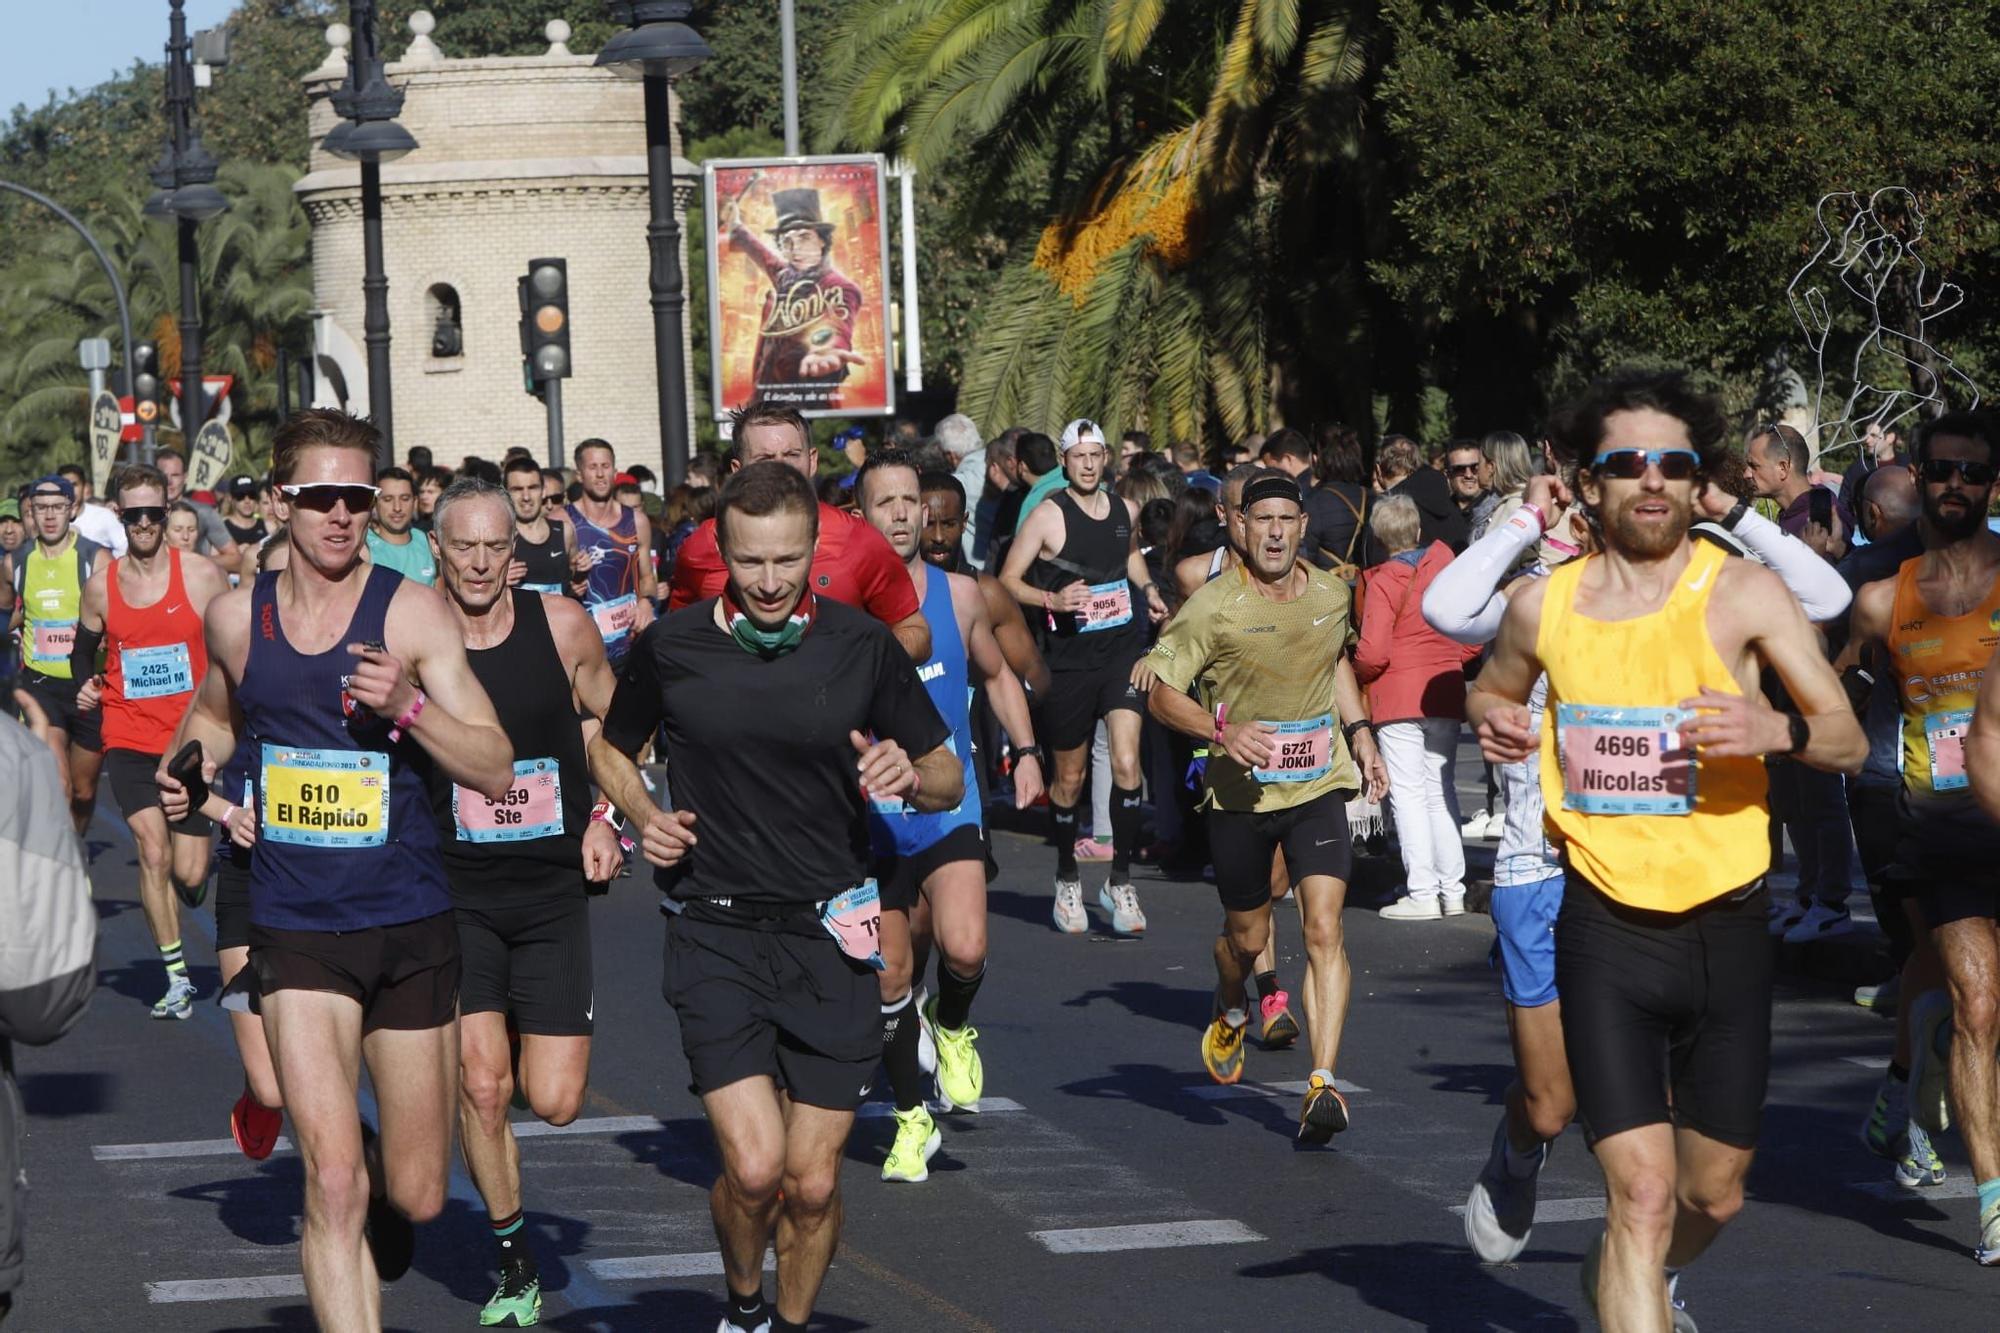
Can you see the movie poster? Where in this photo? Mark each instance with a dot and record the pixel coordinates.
(798, 281)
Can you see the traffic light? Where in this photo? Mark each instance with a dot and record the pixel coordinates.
(544, 293)
(146, 383)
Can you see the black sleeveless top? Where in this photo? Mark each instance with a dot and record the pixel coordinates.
(547, 562)
(529, 847)
(1094, 550)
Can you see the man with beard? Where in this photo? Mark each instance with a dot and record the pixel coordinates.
(805, 340)
(618, 540)
(545, 557)
(1936, 620)
(1652, 650)
(943, 546)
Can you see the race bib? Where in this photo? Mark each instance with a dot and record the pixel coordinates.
(1304, 751)
(154, 673)
(1944, 734)
(615, 617)
(52, 641)
(1109, 607)
(854, 919)
(1624, 761)
(553, 589)
(325, 798)
(532, 807)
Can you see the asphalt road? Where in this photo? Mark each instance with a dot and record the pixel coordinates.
(1107, 1185)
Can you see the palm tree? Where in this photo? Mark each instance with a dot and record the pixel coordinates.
(1158, 295)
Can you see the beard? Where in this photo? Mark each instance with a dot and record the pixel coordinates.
(1642, 541)
(1956, 527)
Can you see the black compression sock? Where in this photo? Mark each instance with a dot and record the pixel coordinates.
(1267, 983)
(954, 998)
(899, 1053)
(1062, 828)
(748, 1311)
(510, 1234)
(780, 1324)
(1125, 824)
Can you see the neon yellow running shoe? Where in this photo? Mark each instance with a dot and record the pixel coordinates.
(1222, 1049)
(961, 1077)
(917, 1138)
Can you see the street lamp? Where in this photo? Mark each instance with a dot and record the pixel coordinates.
(369, 134)
(658, 47)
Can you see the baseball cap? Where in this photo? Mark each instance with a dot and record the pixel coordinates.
(10, 509)
(625, 479)
(1078, 431)
(52, 480)
(241, 484)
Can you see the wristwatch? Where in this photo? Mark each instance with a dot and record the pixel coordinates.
(1363, 725)
(1033, 752)
(1801, 733)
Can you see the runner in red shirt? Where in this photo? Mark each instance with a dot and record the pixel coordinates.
(852, 563)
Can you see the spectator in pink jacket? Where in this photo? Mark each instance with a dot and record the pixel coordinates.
(1416, 697)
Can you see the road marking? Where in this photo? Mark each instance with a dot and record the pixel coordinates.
(1559, 1210)
(1145, 1236)
(1217, 1092)
(638, 1267)
(1959, 1186)
(226, 1289)
(523, 1129)
(987, 1106)
(1867, 1061)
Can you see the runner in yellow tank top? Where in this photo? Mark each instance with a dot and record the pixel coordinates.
(1652, 775)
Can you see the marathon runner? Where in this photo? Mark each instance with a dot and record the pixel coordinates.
(620, 589)
(545, 558)
(851, 562)
(1076, 563)
(1938, 620)
(48, 580)
(342, 673)
(1270, 639)
(1654, 786)
(146, 609)
(768, 694)
(517, 866)
(943, 547)
(392, 539)
(933, 872)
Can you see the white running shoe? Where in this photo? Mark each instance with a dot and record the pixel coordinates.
(1930, 1068)
(178, 1002)
(1474, 828)
(1821, 922)
(1452, 904)
(1123, 903)
(1071, 919)
(1500, 1212)
(1410, 908)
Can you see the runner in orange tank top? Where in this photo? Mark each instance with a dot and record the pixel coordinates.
(1651, 774)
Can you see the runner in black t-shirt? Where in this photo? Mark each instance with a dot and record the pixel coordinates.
(768, 695)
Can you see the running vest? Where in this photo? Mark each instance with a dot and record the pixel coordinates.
(612, 592)
(1635, 813)
(345, 835)
(50, 591)
(531, 843)
(1939, 662)
(154, 657)
(547, 561)
(894, 828)
(1094, 550)
(412, 559)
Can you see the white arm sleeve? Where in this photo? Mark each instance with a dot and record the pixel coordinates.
(1818, 586)
(1463, 602)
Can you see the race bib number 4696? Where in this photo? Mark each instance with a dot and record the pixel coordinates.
(325, 798)
(1624, 761)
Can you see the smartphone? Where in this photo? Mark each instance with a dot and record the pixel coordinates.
(1821, 501)
(186, 770)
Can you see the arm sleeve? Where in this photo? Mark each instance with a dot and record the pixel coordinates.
(636, 706)
(887, 592)
(1464, 601)
(83, 653)
(902, 710)
(1818, 586)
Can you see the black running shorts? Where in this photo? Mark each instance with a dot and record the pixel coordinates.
(1666, 1016)
(1241, 845)
(531, 961)
(404, 977)
(774, 997)
(902, 878)
(232, 898)
(58, 700)
(1077, 699)
(135, 788)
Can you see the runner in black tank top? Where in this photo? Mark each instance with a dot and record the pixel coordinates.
(1075, 566)
(517, 867)
(545, 560)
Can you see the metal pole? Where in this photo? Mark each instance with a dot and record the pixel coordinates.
(788, 39)
(552, 395)
(663, 237)
(194, 402)
(913, 352)
(375, 317)
(284, 383)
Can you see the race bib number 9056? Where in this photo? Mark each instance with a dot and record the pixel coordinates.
(325, 798)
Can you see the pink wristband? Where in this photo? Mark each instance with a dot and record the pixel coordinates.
(1540, 517)
(408, 719)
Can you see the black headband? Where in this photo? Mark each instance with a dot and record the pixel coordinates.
(1272, 486)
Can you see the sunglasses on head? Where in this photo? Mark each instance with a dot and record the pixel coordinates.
(133, 515)
(1938, 471)
(320, 497)
(1631, 464)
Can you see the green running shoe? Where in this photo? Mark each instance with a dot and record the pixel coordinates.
(961, 1077)
(518, 1301)
(1888, 1119)
(917, 1138)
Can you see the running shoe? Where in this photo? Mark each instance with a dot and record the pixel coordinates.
(517, 1302)
(194, 895)
(1090, 849)
(1822, 921)
(926, 1039)
(1323, 1114)
(1071, 919)
(1123, 903)
(392, 1237)
(1451, 904)
(1919, 1167)
(254, 1126)
(1280, 1028)
(1222, 1049)
(1409, 908)
(1988, 1252)
(1887, 1119)
(917, 1138)
(1930, 1061)
(730, 1326)
(1474, 828)
(178, 1002)
(1783, 915)
(1881, 998)
(961, 1077)
(1500, 1212)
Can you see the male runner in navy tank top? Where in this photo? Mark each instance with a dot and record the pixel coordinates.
(517, 866)
(342, 672)
(545, 558)
(621, 586)
(1075, 563)
(933, 869)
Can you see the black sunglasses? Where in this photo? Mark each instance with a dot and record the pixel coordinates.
(1464, 469)
(1938, 471)
(320, 497)
(1631, 464)
(134, 515)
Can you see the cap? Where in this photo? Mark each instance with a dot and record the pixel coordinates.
(10, 509)
(1080, 430)
(625, 479)
(241, 484)
(59, 483)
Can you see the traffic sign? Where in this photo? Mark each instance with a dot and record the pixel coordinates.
(214, 388)
(212, 451)
(107, 427)
(129, 413)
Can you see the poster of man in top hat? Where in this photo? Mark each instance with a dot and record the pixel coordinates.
(818, 341)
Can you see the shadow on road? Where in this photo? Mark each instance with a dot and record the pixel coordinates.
(1185, 1007)
(1437, 1286)
(1168, 1091)
(67, 1094)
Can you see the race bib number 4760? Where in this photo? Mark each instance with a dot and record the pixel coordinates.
(1624, 761)
(325, 798)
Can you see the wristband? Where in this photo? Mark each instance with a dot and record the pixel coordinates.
(606, 813)
(409, 718)
(227, 815)
(1363, 725)
(1540, 517)
(1729, 520)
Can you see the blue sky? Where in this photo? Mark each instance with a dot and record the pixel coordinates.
(64, 44)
